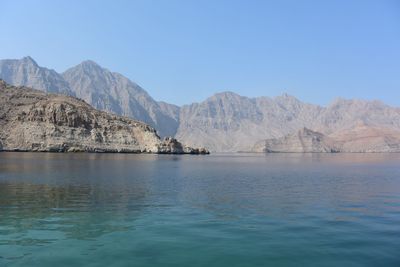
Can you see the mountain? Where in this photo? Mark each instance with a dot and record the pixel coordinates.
(224, 122)
(104, 90)
(26, 72)
(344, 114)
(31, 120)
(229, 122)
(360, 139)
(112, 92)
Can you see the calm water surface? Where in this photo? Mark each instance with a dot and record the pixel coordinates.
(217, 210)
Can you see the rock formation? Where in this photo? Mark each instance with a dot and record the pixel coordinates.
(303, 141)
(31, 120)
(171, 145)
(360, 139)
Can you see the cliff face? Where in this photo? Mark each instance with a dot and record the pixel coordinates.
(32, 120)
(360, 139)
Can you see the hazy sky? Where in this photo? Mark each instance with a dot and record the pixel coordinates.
(184, 51)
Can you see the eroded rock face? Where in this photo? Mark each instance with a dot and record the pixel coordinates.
(32, 120)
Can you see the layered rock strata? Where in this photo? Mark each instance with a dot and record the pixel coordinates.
(32, 120)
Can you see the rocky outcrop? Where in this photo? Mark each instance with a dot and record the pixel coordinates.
(171, 145)
(360, 139)
(304, 141)
(31, 120)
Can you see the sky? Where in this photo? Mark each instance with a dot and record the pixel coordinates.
(183, 51)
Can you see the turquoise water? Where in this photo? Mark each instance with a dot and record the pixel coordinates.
(217, 210)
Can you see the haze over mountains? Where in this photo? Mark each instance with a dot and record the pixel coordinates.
(223, 122)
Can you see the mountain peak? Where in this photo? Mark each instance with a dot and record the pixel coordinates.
(90, 63)
(29, 60)
(226, 94)
(287, 97)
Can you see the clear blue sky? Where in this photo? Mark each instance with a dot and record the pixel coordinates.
(183, 51)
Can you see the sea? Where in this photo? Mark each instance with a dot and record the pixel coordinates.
(199, 210)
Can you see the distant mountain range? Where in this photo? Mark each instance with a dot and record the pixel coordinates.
(224, 122)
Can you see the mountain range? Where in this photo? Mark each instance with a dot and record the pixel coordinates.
(224, 122)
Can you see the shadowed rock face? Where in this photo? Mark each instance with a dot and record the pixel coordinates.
(360, 139)
(31, 120)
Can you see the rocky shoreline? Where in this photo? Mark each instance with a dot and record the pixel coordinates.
(34, 121)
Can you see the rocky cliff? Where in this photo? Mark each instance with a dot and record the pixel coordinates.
(31, 120)
(360, 139)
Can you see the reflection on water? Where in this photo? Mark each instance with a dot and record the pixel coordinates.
(219, 210)
(79, 212)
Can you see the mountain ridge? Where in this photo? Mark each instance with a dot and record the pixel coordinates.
(223, 122)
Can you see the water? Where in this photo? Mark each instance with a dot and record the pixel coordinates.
(217, 210)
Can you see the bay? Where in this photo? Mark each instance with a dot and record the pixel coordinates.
(187, 210)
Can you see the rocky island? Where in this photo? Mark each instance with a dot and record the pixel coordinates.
(32, 120)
